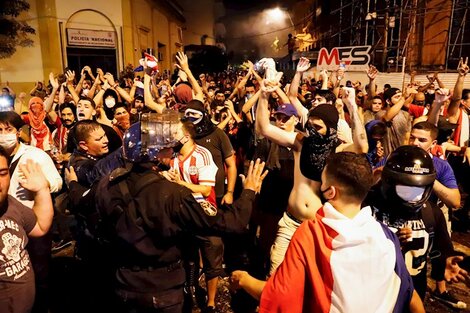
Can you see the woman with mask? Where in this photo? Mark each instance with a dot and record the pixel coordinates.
(41, 136)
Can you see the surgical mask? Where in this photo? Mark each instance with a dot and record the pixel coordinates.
(85, 92)
(410, 193)
(110, 103)
(248, 96)
(8, 141)
(431, 91)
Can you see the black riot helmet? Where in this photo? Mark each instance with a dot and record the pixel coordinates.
(408, 166)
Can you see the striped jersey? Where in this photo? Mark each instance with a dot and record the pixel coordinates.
(338, 264)
(198, 168)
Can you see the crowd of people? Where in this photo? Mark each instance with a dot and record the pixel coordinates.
(351, 191)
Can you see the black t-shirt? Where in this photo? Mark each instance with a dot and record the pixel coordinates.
(277, 185)
(15, 225)
(429, 229)
(220, 147)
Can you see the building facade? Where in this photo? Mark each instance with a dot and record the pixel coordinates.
(109, 34)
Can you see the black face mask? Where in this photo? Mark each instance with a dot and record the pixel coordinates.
(315, 150)
(178, 147)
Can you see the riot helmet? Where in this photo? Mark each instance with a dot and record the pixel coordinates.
(154, 132)
(408, 178)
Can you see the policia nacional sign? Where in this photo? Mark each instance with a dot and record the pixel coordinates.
(90, 38)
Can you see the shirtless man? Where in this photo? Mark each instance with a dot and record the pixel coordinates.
(310, 153)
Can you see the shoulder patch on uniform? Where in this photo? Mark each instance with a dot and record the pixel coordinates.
(208, 208)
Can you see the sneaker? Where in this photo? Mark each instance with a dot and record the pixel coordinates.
(57, 246)
(447, 298)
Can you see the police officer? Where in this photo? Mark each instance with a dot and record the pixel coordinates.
(401, 202)
(150, 217)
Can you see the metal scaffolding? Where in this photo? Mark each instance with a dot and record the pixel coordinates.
(459, 33)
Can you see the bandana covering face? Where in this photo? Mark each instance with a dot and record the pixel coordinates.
(40, 134)
(315, 150)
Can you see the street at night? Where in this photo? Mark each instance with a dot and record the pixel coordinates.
(232, 156)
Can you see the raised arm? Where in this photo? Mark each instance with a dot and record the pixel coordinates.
(441, 96)
(183, 65)
(109, 77)
(302, 66)
(273, 133)
(55, 86)
(394, 109)
(453, 109)
(78, 88)
(251, 102)
(372, 73)
(148, 99)
(70, 75)
(360, 144)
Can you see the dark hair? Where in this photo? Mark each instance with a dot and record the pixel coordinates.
(216, 103)
(465, 94)
(249, 84)
(4, 154)
(69, 105)
(387, 86)
(93, 104)
(328, 95)
(390, 93)
(84, 128)
(377, 97)
(352, 172)
(11, 118)
(190, 128)
(427, 127)
(379, 129)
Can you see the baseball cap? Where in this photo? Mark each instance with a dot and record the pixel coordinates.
(286, 109)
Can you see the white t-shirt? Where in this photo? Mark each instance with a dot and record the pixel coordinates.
(48, 168)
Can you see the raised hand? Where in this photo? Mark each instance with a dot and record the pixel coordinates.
(182, 61)
(372, 72)
(254, 177)
(32, 177)
(303, 65)
(463, 68)
(442, 95)
(53, 81)
(110, 78)
(349, 97)
(70, 75)
(324, 75)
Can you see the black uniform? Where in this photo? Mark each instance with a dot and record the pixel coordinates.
(151, 218)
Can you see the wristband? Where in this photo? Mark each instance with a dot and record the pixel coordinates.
(116, 85)
(229, 191)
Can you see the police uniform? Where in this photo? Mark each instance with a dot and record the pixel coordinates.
(151, 218)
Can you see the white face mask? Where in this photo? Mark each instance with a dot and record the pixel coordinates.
(431, 91)
(85, 92)
(8, 141)
(110, 103)
(410, 193)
